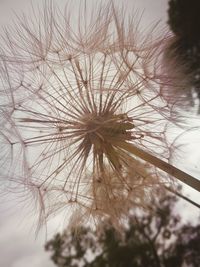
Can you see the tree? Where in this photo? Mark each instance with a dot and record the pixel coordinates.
(184, 21)
(152, 239)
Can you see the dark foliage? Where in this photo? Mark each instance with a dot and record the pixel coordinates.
(184, 21)
(153, 239)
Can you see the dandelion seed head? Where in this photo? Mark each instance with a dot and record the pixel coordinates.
(78, 97)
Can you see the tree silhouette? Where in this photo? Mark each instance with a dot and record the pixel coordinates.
(184, 21)
(152, 239)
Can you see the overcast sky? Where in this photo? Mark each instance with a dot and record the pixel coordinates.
(18, 246)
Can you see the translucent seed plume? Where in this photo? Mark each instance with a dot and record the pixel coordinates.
(75, 97)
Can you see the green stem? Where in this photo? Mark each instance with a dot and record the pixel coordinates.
(162, 165)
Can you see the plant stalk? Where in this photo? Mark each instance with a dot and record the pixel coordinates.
(162, 165)
(181, 196)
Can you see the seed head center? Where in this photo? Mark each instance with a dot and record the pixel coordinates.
(105, 132)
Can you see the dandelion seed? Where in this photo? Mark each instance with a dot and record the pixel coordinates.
(79, 98)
